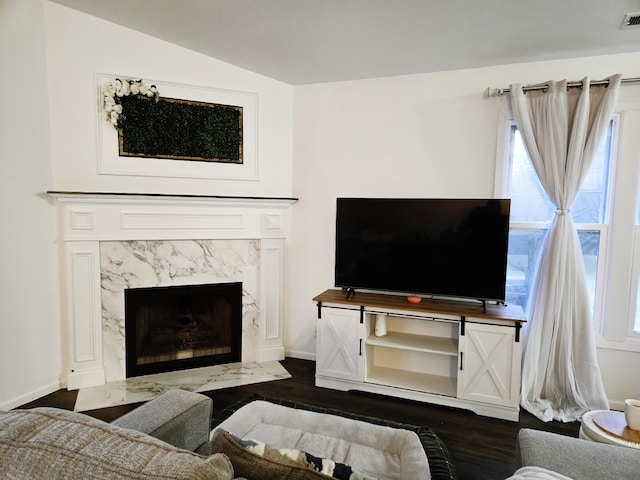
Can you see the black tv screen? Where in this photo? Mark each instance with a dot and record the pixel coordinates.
(439, 247)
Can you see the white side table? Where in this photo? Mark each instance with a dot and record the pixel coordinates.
(608, 426)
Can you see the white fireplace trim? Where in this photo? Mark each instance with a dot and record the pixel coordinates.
(86, 219)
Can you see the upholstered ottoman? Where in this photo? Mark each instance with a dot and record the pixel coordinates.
(372, 448)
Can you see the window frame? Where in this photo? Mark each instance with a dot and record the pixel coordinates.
(634, 303)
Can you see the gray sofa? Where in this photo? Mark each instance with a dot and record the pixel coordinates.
(169, 438)
(152, 442)
(575, 458)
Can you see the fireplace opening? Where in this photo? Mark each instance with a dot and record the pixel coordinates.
(180, 327)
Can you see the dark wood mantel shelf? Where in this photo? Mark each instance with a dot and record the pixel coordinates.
(167, 195)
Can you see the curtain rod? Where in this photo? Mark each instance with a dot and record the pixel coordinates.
(494, 92)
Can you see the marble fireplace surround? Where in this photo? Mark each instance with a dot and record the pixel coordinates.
(112, 241)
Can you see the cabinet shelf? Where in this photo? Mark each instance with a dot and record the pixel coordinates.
(422, 382)
(416, 343)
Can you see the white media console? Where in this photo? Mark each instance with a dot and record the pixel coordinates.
(455, 353)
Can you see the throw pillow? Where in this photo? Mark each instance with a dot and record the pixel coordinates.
(254, 459)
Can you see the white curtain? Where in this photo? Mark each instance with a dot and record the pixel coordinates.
(562, 129)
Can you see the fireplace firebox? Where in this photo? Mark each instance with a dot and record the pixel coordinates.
(181, 327)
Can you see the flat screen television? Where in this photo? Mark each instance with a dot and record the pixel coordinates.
(431, 247)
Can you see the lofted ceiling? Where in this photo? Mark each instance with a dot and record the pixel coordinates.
(313, 41)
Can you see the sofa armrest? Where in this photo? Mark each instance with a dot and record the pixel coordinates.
(576, 458)
(178, 417)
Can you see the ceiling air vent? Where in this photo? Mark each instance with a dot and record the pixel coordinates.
(631, 20)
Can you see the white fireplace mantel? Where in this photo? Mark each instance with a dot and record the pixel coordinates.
(87, 219)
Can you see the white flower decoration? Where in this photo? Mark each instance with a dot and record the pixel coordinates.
(109, 103)
(112, 92)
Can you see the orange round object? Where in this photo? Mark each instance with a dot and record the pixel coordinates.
(414, 299)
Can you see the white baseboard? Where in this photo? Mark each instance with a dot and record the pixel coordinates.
(29, 397)
(300, 355)
(616, 405)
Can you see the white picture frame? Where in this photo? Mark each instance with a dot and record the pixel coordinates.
(111, 163)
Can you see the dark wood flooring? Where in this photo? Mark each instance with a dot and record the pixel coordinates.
(481, 448)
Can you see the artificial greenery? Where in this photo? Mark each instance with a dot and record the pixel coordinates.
(180, 129)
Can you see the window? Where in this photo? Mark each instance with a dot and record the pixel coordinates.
(606, 214)
(531, 213)
(636, 325)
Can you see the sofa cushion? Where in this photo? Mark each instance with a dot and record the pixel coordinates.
(56, 444)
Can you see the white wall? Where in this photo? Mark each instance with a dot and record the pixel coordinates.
(418, 135)
(29, 318)
(424, 135)
(79, 46)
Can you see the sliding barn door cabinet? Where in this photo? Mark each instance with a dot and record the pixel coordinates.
(448, 352)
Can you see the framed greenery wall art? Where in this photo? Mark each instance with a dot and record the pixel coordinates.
(180, 130)
(163, 129)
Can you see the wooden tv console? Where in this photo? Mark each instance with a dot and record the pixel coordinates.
(447, 352)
